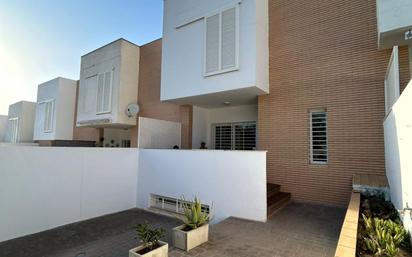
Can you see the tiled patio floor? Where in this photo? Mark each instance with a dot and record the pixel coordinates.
(299, 230)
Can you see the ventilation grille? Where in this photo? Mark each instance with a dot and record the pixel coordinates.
(171, 204)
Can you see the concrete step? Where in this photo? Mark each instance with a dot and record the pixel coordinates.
(276, 202)
(272, 189)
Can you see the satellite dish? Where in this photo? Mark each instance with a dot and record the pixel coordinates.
(132, 110)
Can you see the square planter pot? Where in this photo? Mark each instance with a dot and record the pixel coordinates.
(187, 240)
(162, 251)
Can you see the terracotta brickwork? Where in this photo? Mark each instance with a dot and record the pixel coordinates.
(149, 94)
(323, 54)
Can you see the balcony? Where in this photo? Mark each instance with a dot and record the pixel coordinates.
(394, 21)
(215, 52)
(109, 79)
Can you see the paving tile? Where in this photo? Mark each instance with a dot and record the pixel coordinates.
(298, 230)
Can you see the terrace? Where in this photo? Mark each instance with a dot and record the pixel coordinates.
(297, 230)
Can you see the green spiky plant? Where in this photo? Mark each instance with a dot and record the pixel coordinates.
(383, 237)
(194, 216)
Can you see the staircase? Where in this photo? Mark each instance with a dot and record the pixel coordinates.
(276, 199)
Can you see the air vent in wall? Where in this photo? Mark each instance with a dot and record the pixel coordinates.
(171, 204)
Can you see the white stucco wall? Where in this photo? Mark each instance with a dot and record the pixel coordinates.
(26, 112)
(42, 188)
(204, 118)
(398, 150)
(234, 182)
(183, 49)
(3, 126)
(158, 134)
(63, 92)
(45, 187)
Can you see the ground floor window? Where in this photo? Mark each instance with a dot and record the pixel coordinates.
(234, 136)
(318, 137)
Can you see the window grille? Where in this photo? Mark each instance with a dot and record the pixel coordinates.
(318, 137)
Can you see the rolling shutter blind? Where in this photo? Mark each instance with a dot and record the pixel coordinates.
(221, 41)
(228, 39)
(212, 43)
(318, 137)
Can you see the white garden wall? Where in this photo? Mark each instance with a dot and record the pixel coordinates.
(158, 134)
(398, 152)
(42, 188)
(234, 182)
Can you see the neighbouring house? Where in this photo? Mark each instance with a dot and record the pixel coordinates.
(55, 116)
(3, 126)
(109, 79)
(122, 74)
(269, 75)
(55, 110)
(20, 122)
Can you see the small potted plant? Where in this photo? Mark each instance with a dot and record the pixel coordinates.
(195, 230)
(151, 244)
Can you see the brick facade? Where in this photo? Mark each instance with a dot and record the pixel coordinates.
(149, 94)
(323, 54)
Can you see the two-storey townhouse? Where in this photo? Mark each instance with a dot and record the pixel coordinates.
(20, 122)
(55, 116)
(122, 75)
(303, 80)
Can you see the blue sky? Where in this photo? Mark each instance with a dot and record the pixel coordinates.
(44, 39)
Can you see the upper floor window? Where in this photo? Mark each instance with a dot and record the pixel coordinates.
(222, 41)
(104, 92)
(48, 113)
(318, 137)
(14, 130)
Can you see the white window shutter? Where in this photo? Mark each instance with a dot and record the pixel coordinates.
(107, 93)
(212, 43)
(100, 92)
(87, 95)
(229, 38)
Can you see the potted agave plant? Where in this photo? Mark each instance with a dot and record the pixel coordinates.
(151, 244)
(195, 230)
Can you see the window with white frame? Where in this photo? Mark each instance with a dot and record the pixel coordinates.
(104, 92)
(48, 109)
(14, 130)
(235, 136)
(222, 41)
(318, 137)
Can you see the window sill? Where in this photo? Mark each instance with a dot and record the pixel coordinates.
(210, 74)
